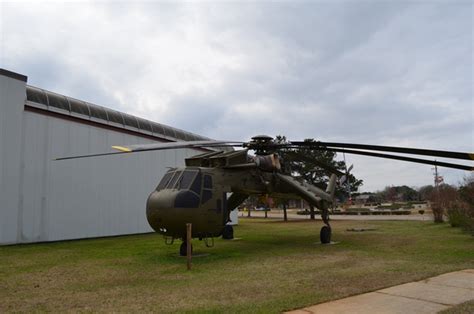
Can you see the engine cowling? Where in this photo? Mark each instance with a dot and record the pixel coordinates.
(268, 162)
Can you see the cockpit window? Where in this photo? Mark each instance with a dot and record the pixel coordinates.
(207, 182)
(186, 179)
(206, 195)
(172, 183)
(196, 186)
(207, 189)
(164, 181)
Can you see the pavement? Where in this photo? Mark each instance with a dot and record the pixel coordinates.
(426, 296)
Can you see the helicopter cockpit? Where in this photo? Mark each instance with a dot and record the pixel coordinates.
(190, 186)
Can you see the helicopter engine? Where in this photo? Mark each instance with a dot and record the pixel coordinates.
(268, 163)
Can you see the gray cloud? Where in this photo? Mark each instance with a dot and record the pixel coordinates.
(394, 73)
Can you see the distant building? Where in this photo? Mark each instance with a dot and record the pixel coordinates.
(364, 199)
(46, 200)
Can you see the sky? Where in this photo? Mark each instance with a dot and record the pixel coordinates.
(396, 73)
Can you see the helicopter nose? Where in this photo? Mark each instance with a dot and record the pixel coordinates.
(157, 204)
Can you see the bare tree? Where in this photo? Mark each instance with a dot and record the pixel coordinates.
(442, 198)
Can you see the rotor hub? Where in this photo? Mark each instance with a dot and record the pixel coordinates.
(261, 144)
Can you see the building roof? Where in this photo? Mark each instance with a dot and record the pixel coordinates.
(60, 104)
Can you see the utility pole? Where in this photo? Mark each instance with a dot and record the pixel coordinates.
(436, 184)
(437, 178)
(436, 207)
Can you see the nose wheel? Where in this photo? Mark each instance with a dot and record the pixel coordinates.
(325, 233)
(228, 232)
(183, 249)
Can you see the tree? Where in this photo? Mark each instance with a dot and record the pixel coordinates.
(313, 167)
(425, 192)
(389, 194)
(409, 194)
(461, 212)
(401, 193)
(283, 203)
(466, 190)
(443, 197)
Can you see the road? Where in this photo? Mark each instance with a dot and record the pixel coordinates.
(278, 214)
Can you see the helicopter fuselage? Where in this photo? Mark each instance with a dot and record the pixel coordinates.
(201, 196)
(204, 196)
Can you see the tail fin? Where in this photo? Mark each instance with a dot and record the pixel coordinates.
(332, 185)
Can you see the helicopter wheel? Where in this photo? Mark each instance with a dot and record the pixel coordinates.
(325, 235)
(228, 232)
(183, 249)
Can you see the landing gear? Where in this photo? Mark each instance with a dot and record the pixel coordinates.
(183, 249)
(228, 232)
(325, 234)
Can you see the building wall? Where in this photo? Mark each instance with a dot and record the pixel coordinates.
(47, 200)
(12, 92)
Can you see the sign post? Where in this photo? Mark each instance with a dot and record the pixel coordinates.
(188, 244)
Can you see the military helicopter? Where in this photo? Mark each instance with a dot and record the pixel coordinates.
(212, 184)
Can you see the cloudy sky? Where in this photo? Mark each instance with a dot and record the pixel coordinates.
(379, 72)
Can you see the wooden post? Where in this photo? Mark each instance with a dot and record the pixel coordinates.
(188, 244)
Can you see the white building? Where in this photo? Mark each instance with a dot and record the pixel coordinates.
(46, 200)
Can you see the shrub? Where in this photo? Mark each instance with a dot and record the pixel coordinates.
(393, 206)
(416, 202)
(357, 209)
(401, 212)
(456, 217)
(438, 213)
(461, 214)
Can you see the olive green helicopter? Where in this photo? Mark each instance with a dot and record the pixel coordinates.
(214, 183)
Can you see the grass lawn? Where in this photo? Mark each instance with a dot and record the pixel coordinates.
(275, 266)
(463, 308)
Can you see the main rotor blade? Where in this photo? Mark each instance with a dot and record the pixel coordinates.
(159, 146)
(410, 159)
(404, 150)
(175, 145)
(90, 155)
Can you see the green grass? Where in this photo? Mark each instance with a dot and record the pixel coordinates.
(275, 266)
(463, 308)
